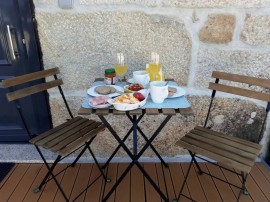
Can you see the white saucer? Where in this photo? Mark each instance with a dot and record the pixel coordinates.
(130, 80)
(91, 91)
(180, 92)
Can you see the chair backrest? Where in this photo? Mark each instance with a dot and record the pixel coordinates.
(17, 94)
(227, 88)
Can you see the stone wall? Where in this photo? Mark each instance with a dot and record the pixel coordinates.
(193, 38)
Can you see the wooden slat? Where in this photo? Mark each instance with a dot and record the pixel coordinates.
(50, 189)
(117, 112)
(224, 189)
(123, 190)
(67, 183)
(85, 111)
(136, 112)
(186, 111)
(224, 144)
(99, 79)
(242, 79)
(57, 128)
(76, 144)
(177, 176)
(168, 111)
(208, 186)
(161, 179)
(204, 152)
(30, 77)
(64, 142)
(24, 184)
(112, 174)
(81, 181)
(94, 192)
(52, 136)
(71, 133)
(194, 185)
(169, 183)
(231, 138)
(264, 170)
(13, 181)
(152, 111)
(169, 79)
(222, 153)
(102, 111)
(151, 193)
(240, 91)
(137, 185)
(33, 89)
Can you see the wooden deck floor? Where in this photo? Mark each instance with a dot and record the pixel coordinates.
(23, 178)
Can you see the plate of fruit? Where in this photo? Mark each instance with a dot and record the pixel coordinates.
(135, 87)
(130, 101)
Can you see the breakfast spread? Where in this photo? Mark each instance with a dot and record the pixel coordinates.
(99, 100)
(172, 91)
(130, 98)
(105, 90)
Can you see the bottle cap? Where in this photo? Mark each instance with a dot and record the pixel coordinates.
(109, 71)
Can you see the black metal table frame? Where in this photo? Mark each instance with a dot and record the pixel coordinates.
(135, 156)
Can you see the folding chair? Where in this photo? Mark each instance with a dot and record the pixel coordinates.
(230, 153)
(77, 133)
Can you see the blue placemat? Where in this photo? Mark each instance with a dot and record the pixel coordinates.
(179, 102)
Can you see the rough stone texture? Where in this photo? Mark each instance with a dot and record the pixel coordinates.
(256, 30)
(83, 45)
(218, 29)
(119, 2)
(236, 123)
(239, 62)
(216, 3)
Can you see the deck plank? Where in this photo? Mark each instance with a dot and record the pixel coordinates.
(137, 185)
(94, 192)
(161, 179)
(13, 181)
(208, 186)
(81, 181)
(225, 190)
(177, 179)
(26, 182)
(112, 174)
(67, 183)
(123, 190)
(20, 183)
(194, 185)
(50, 189)
(151, 194)
(233, 178)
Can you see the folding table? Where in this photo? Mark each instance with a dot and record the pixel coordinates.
(135, 116)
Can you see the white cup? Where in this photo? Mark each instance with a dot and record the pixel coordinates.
(141, 77)
(159, 91)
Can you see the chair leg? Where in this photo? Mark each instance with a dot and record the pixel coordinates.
(244, 190)
(51, 173)
(100, 169)
(81, 153)
(200, 172)
(183, 185)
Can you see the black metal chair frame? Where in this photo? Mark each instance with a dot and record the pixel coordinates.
(59, 157)
(135, 155)
(200, 172)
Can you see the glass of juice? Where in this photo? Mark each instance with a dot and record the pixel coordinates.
(120, 67)
(154, 67)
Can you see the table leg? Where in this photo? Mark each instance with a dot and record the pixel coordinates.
(135, 137)
(135, 158)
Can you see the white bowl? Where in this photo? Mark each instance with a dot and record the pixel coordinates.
(127, 107)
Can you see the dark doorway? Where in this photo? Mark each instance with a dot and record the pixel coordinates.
(19, 55)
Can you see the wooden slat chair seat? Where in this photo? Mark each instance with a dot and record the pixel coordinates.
(64, 139)
(228, 152)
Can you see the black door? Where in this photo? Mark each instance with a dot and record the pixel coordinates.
(19, 55)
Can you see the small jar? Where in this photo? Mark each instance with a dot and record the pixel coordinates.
(110, 76)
